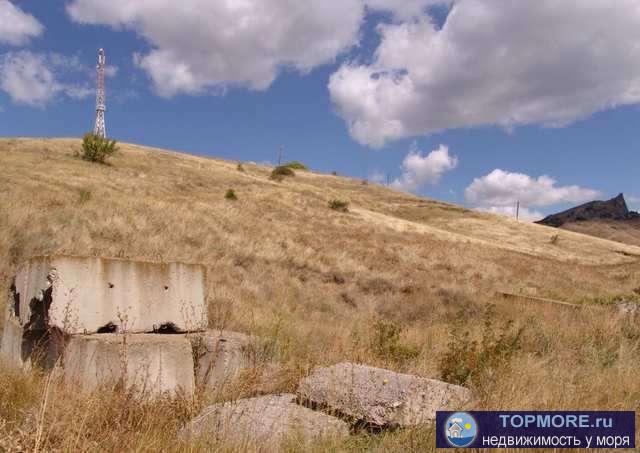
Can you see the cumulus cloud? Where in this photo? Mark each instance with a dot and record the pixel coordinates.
(419, 170)
(500, 190)
(16, 26)
(526, 214)
(200, 45)
(34, 79)
(509, 64)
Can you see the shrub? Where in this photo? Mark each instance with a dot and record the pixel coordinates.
(85, 195)
(96, 148)
(339, 205)
(554, 239)
(386, 342)
(240, 167)
(296, 165)
(468, 359)
(231, 195)
(280, 172)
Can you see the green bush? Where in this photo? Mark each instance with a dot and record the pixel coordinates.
(240, 167)
(339, 205)
(386, 342)
(280, 172)
(96, 148)
(230, 195)
(468, 360)
(296, 165)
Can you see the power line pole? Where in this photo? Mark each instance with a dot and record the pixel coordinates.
(280, 152)
(518, 210)
(100, 128)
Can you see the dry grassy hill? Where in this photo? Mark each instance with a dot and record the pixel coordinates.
(395, 282)
(625, 231)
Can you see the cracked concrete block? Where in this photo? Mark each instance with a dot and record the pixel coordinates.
(263, 423)
(377, 397)
(220, 355)
(150, 363)
(89, 295)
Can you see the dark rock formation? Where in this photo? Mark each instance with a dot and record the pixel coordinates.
(614, 209)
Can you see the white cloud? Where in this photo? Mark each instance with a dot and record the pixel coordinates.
(419, 170)
(525, 214)
(35, 79)
(514, 63)
(500, 190)
(204, 45)
(16, 26)
(377, 177)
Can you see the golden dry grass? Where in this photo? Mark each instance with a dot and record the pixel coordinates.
(314, 282)
(627, 232)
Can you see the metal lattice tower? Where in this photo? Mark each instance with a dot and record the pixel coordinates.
(100, 129)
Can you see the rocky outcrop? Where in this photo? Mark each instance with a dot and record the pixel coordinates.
(379, 398)
(263, 423)
(614, 209)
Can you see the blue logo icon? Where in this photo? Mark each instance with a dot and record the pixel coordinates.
(460, 429)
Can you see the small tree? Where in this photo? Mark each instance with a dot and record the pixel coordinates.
(96, 148)
(339, 205)
(231, 195)
(280, 172)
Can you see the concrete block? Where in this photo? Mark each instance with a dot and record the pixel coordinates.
(263, 423)
(151, 363)
(11, 346)
(89, 295)
(21, 347)
(377, 397)
(221, 355)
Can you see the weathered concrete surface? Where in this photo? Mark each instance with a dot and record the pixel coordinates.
(11, 345)
(88, 295)
(379, 397)
(149, 362)
(221, 355)
(24, 348)
(264, 422)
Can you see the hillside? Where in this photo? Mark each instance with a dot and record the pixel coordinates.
(610, 219)
(319, 282)
(626, 232)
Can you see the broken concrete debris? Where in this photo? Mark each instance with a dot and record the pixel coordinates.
(143, 326)
(376, 397)
(100, 319)
(264, 422)
(98, 295)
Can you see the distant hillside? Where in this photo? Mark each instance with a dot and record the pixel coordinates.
(609, 219)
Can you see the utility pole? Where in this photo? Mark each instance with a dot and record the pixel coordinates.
(100, 129)
(518, 210)
(280, 152)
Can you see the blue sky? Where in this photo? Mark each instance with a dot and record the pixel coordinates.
(356, 87)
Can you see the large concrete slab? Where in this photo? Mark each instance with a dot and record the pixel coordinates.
(379, 397)
(220, 355)
(263, 423)
(149, 363)
(88, 295)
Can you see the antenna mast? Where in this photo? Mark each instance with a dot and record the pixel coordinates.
(99, 128)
